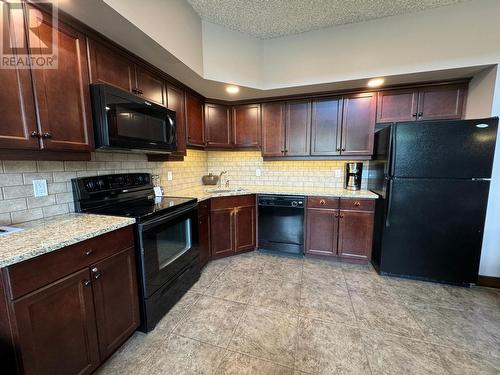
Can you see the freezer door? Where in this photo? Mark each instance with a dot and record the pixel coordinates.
(444, 149)
(433, 229)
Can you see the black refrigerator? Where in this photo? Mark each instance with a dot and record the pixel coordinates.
(433, 179)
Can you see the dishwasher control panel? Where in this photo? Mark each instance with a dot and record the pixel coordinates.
(295, 201)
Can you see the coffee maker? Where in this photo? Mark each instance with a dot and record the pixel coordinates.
(353, 173)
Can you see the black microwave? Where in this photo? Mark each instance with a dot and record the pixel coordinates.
(127, 122)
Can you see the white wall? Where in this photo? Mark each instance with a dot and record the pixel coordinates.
(231, 56)
(490, 258)
(480, 94)
(171, 23)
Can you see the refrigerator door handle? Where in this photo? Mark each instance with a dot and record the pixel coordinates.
(389, 204)
(481, 179)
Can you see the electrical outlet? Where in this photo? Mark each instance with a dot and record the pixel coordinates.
(170, 176)
(258, 172)
(40, 188)
(338, 173)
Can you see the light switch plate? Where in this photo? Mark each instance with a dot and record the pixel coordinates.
(170, 176)
(40, 188)
(258, 172)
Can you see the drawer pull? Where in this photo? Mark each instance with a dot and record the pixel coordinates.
(88, 252)
(86, 282)
(357, 204)
(322, 202)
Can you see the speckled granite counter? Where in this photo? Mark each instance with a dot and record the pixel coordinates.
(43, 236)
(202, 194)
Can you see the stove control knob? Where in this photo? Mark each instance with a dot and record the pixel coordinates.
(89, 185)
(294, 204)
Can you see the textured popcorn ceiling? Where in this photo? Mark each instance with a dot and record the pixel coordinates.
(266, 19)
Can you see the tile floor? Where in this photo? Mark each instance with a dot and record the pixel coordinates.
(262, 314)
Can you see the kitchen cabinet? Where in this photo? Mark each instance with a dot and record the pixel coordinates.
(273, 129)
(176, 102)
(217, 126)
(18, 107)
(326, 120)
(425, 103)
(204, 231)
(297, 128)
(149, 85)
(81, 301)
(194, 121)
(358, 124)
(246, 125)
(341, 228)
(232, 225)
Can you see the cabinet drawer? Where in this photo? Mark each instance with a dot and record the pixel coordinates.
(26, 276)
(204, 208)
(322, 202)
(232, 202)
(357, 204)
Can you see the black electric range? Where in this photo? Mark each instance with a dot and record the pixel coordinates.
(167, 247)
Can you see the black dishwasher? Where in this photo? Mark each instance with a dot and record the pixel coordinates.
(281, 223)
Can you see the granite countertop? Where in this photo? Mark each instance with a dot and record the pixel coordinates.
(43, 236)
(202, 194)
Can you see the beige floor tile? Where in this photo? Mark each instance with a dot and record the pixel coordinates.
(329, 348)
(460, 362)
(241, 364)
(396, 355)
(233, 286)
(208, 275)
(277, 294)
(365, 282)
(175, 315)
(266, 334)
(180, 355)
(211, 320)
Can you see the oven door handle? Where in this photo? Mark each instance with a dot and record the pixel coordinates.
(164, 219)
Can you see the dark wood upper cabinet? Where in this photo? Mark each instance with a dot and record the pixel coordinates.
(358, 124)
(246, 125)
(149, 85)
(64, 88)
(322, 231)
(355, 235)
(17, 108)
(441, 102)
(397, 105)
(57, 328)
(273, 129)
(217, 125)
(298, 128)
(108, 65)
(176, 102)
(194, 121)
(244, 223)
(326, 119)
(115, 300)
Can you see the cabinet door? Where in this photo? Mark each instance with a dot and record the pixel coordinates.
(325, 126)
(358, 124)
(204, 238)
(175, 102)
(149, 85)
(109, 66)
(194, 121)
(298, 128)
(273, 129)
(63, 94)
(222, 232)
(441, 102)
(244, 229)
(17, 108)
(322, 232)
(246, 125)
(115, 299)
(397, 105)
(355, 235)
(217, 125)
(57, 328)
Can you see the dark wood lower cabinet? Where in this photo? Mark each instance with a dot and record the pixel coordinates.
(204, 238)
(345, 233)
(57, 329)
(70, 320)
(232, 225)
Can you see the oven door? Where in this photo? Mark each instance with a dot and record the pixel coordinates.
(168, 245)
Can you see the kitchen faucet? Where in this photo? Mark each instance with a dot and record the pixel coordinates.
(220, 178)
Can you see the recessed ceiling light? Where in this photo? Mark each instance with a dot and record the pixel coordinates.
(375, 82)
(232, 89)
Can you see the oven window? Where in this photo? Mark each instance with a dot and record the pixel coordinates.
(172, 242)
